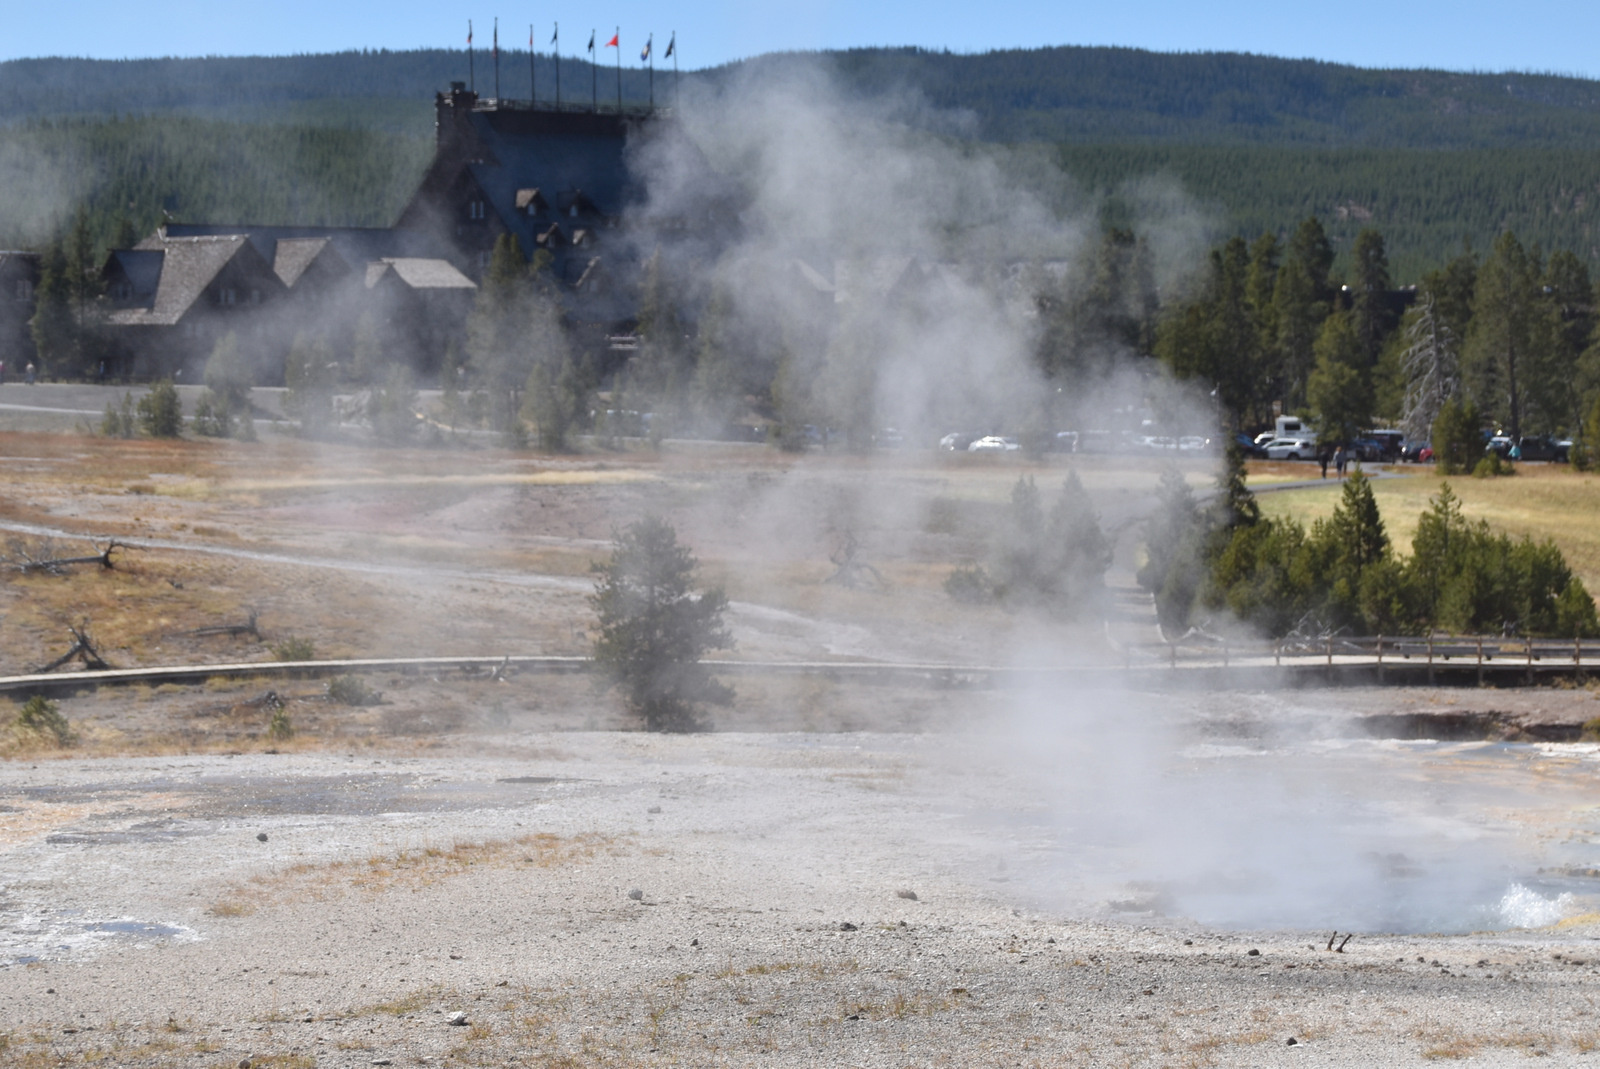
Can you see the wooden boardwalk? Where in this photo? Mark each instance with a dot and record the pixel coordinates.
(1440, 660)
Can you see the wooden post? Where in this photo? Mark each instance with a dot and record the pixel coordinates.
(1277, 654)
(1380, 658)
(1430, 658)
(1530, 661)
(1480, 660)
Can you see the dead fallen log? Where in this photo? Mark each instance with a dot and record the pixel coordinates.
(55, 564)
(231, 630)
(83, 649)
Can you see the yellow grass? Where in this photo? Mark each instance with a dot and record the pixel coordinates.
(1540, 501)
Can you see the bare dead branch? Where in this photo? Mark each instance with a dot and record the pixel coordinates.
(82, 648)
(54, 565)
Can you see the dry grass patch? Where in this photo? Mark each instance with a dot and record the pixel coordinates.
(409, 868)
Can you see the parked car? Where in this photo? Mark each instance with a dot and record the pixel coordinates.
(1249, 447)
(1530, 447)
(1065, 442)
(1413, 451)
(1369, 450)
(994, 443)
(1292, 449)
(1389, 443)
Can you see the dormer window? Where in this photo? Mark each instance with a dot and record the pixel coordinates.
(228, 296)
(573, 211)
(476, 210)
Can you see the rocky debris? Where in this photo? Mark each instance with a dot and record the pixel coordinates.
(653, 809)
(1253, 953)
(907, 894)
(261, 836)
(457, 1019)
(636, 894)
(1292, 1042)
(846, 926)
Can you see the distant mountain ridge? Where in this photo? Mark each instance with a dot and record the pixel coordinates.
(1066, 93)
(1432, 159)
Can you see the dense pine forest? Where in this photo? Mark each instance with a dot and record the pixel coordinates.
(1433, 159)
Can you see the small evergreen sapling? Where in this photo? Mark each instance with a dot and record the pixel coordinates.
(654, 629)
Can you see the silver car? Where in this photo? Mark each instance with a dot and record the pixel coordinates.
(1292, 449)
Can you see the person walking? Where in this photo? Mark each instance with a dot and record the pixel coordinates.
(1322, 460)
(1340, 459)
(30, 372)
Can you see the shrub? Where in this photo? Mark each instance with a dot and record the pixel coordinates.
(41, 719)
(1492, 465)
(295, 649)
(119, 421)
(279, 729)
(350, 690)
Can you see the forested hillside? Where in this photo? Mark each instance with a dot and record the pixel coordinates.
(1430, 158)
(131, 173)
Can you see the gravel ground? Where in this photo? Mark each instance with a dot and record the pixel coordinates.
(611, 898)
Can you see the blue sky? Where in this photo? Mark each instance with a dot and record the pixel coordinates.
(1555, 35)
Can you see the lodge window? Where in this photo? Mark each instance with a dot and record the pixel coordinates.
(475, 209)
(24, 290)
(573, 211)
(227, 296)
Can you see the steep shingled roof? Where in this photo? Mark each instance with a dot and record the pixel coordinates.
(355, 244)
(419, 274)
(187, 268)
(292, 256)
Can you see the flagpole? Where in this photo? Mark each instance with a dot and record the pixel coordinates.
(555, 41)
(594, 77)
(533, 71)
(619, 70)
(472, 71)
(497, 58)
(650, 53)
(672, 47)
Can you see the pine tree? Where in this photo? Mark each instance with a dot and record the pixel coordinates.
(54, 324)
(1374, 316)
(1500, 343)
(160, 411)
(308, 373)
(1340, 390)
(1567, 320)
(654, 630)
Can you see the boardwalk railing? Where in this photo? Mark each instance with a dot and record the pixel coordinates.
(1458, 659)
(1485, 656)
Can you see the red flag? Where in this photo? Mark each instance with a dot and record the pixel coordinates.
(469, 33)
(613, 42)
